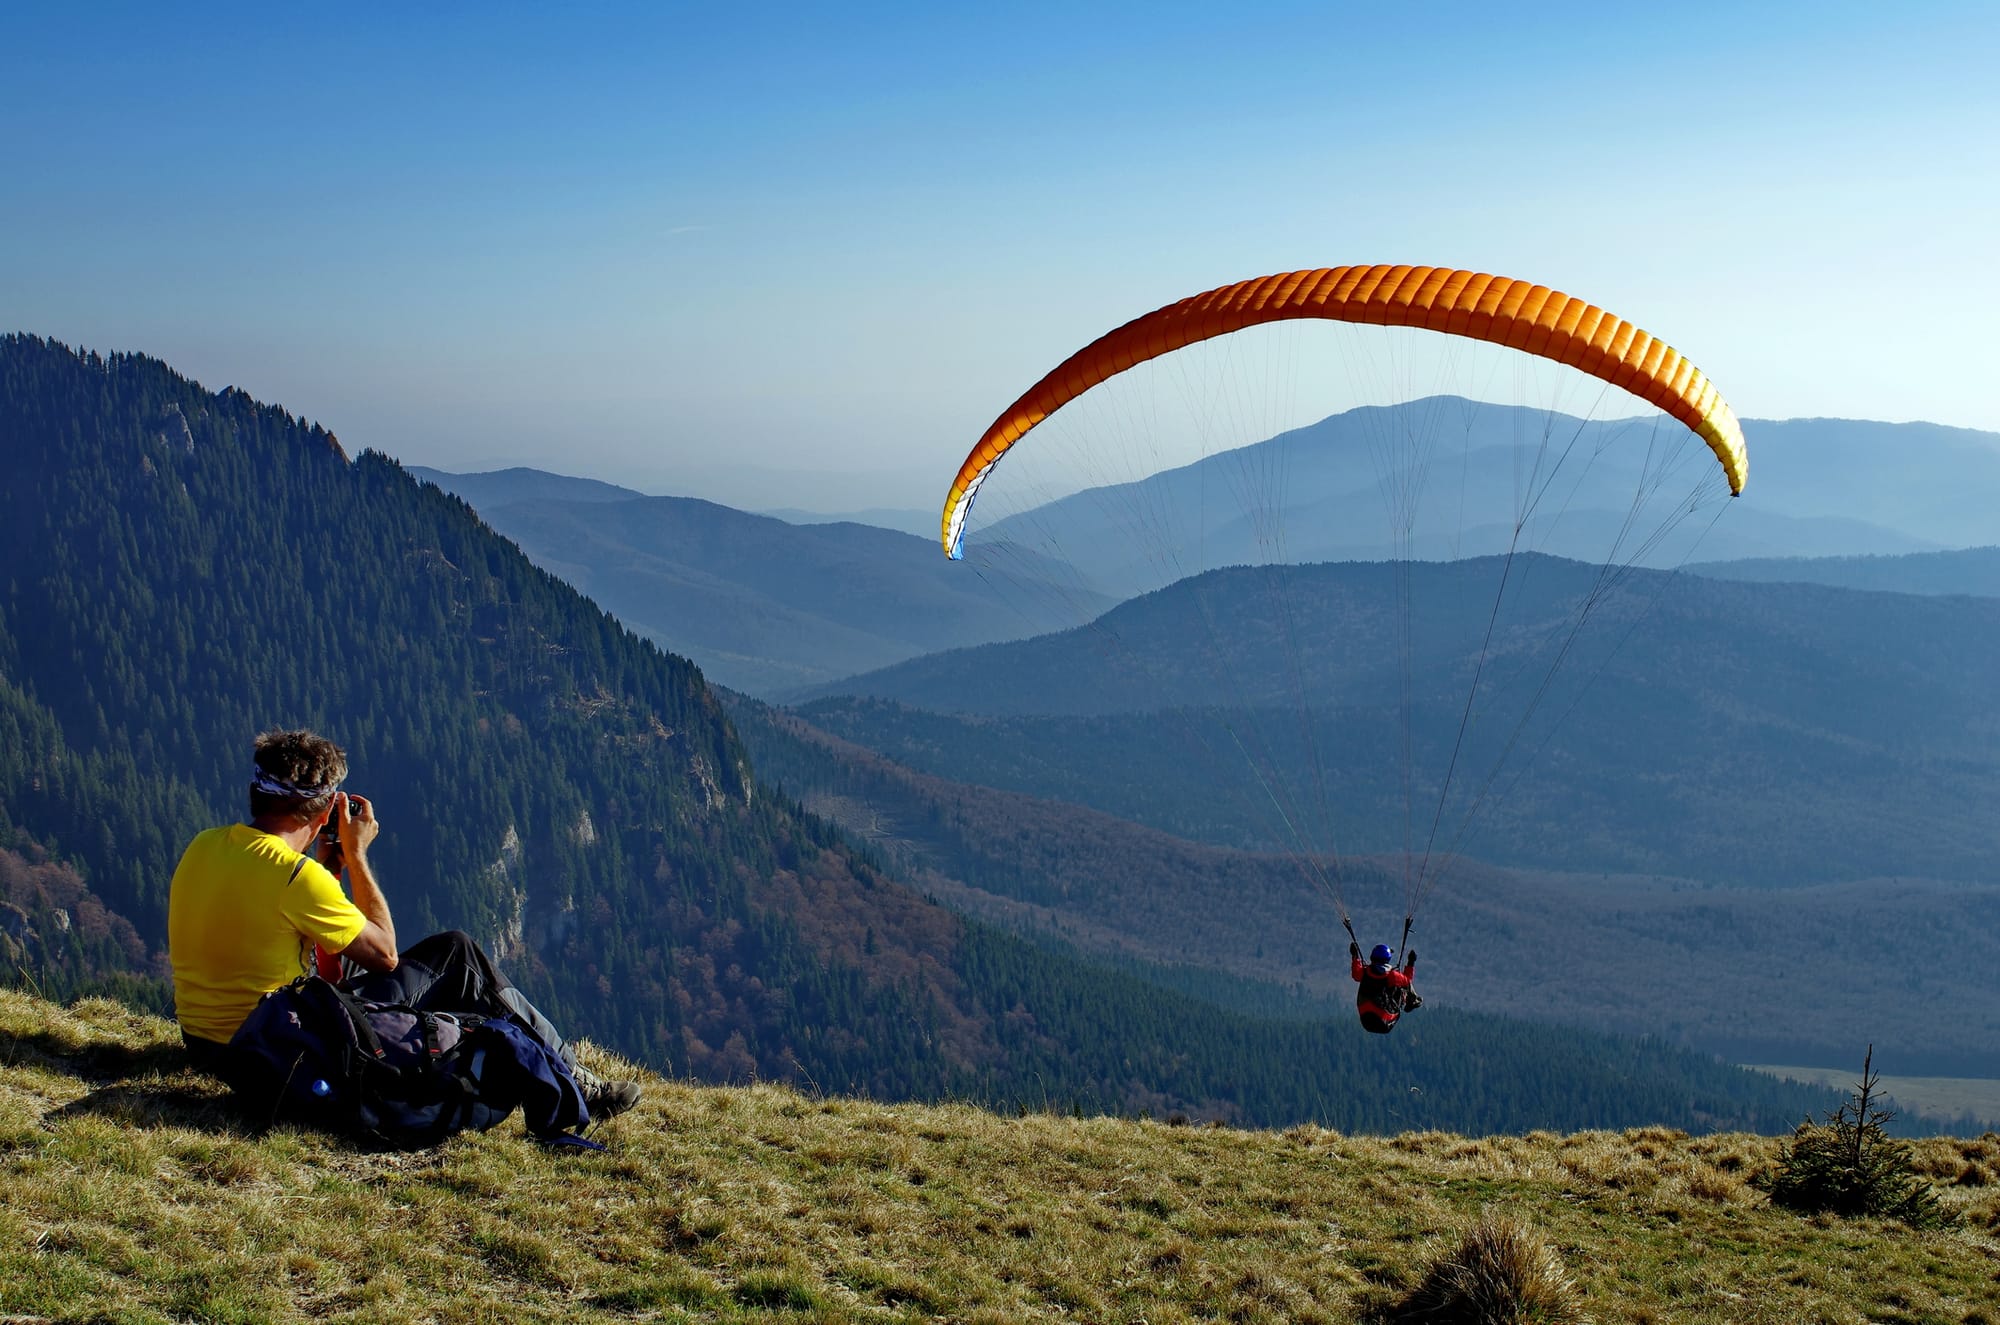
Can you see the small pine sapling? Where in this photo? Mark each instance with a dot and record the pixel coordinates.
(1848, 1164)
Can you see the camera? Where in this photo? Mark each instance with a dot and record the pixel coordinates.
(329, 833)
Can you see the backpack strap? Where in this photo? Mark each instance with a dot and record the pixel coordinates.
(570, 1141)
(427, 1024)
(357, 1013)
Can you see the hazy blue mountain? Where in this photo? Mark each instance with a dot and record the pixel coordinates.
(1939, 484)
(761, 604)
(775, 607)
(924, 524)
(1817, 487)
(1726, 731)
(1968, 571)
(499, 487)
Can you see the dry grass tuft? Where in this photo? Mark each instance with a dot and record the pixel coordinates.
(1501, 1273)
(1709, 1183)
(1423, 1143)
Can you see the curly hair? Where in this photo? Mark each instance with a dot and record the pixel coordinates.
(301, 759)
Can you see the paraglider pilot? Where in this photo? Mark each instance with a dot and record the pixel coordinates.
(1385, 992)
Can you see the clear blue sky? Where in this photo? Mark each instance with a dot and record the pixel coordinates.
(646, 242)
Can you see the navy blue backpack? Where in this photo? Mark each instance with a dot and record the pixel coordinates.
(393, 1075)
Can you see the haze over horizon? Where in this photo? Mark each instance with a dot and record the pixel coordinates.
(629, 242)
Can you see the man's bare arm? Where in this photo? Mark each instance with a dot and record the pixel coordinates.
(374, 948)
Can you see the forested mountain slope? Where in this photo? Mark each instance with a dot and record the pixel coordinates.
(1734, 732)
(1725, 969)
(184, 568)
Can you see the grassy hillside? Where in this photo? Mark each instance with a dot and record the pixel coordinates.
(129, 1191)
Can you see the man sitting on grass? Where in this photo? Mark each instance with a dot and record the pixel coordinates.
(249, 909)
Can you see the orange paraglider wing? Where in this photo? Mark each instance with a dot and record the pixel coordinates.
(1517, 314)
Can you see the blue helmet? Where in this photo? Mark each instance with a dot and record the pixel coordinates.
(1383, 957)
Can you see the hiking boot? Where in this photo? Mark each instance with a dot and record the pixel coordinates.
(608, 1099)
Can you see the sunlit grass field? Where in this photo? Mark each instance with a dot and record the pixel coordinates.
(129, 1191)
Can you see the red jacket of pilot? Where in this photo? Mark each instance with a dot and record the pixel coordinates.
(1369, 1000)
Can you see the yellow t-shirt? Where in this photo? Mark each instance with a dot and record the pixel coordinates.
(243, 915)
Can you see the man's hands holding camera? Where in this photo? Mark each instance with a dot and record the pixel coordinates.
(348, 831)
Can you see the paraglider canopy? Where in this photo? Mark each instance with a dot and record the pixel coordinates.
(1518, 314)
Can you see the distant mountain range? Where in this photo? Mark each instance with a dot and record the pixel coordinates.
(1330, 492)
(1970, 571)
(1935, 484)
(504, 487)
(779, 606)
(1720, 730)
(922, 524)
(760, 604)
